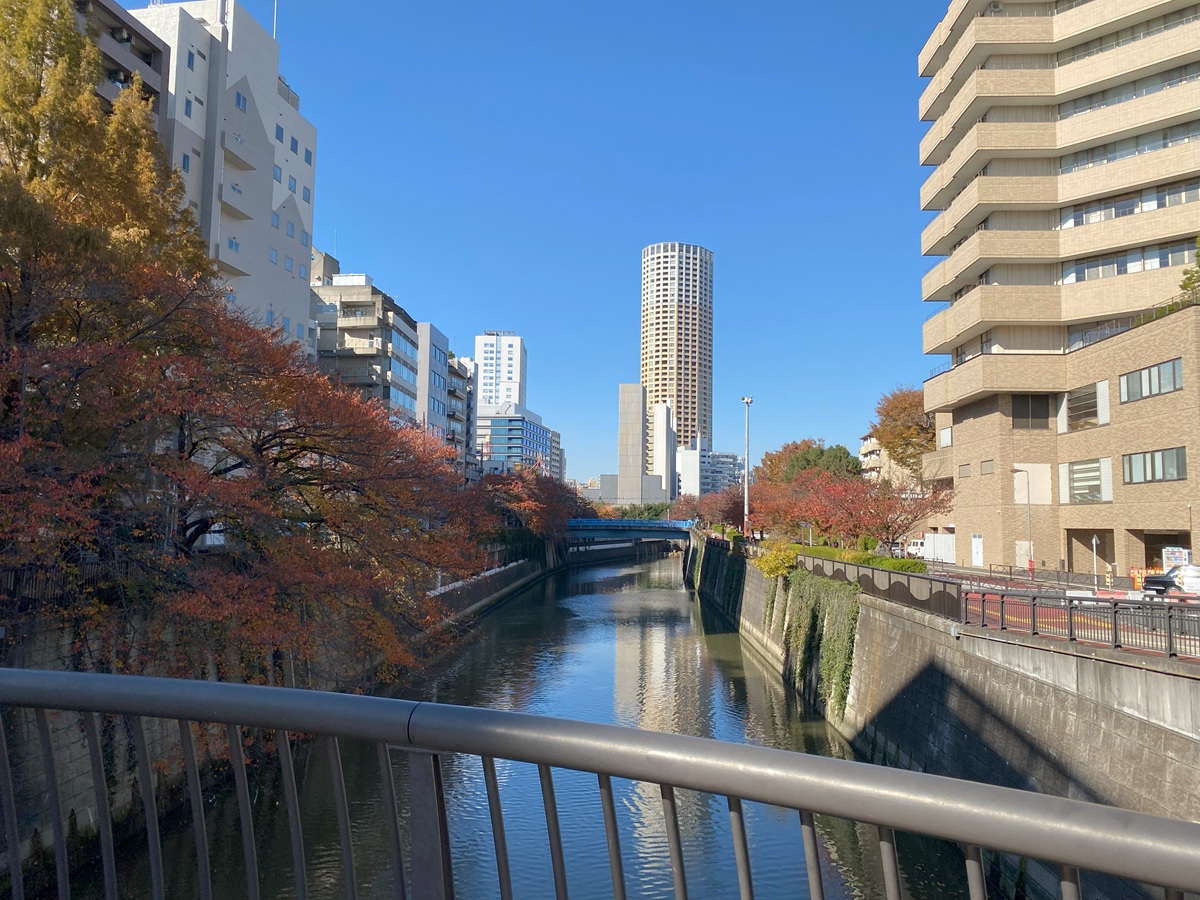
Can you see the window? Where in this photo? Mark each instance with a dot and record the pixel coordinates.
(1084, 481)
(1139, 259)
(273, 255)
(186, 163)
(232, 244)
(307, 195)
(1156, 465)
(191, 60)
(239, 101)
(287, 324)
(299, 330)
(295, 145)
(1161, 379)
(279, 133)
(270, 317)
(292, 183)
(1082, 408)
(304, 238)
(1031, 412)
(274, 220)
(287, 263)
(945, 436)
(985, 342)
(278, 174)
(307, 156)
(187, 107)
(987, 467)
(304, 272)
(291, 228)
(964, 471)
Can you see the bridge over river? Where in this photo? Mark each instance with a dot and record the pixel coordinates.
(628, 529)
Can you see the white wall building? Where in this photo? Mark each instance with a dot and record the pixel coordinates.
(233, 128)
(665, 443)
(705, 471)
(433, 351)
(502, 362)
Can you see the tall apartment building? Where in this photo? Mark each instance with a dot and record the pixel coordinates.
(502, 361)
(512, 438)
(705, 471)
(1065, 141)
(247, 156)
(126, 47)
(677, 338)
(460, 413)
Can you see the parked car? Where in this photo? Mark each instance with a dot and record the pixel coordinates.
(894, 549)
(915, 548)
(1176, 578)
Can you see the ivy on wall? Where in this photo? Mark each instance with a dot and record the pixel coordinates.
(825, 618)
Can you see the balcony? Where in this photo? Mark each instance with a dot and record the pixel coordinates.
(983, 37)
(984, 89)
(233, 201)
(1119, 65)
(237, 151)
(988, 306)
(938, 465)
(980, 197)
(1162, 109)
(360, 375)
(230, 261)
(1154, 226)
(366, 320)
(997, 373)
(982, 250)
(1158, 167)
(984, 142)
(357, 346)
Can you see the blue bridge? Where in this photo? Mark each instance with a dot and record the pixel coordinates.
(629, 529)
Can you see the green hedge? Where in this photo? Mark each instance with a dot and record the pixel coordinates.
(862, 558)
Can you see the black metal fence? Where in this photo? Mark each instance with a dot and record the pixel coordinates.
(939, 596)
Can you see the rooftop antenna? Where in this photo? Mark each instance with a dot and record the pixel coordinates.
(274, 19)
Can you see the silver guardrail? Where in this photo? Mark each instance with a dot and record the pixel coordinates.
(1072, 834)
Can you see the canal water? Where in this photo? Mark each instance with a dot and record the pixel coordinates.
(624, 644)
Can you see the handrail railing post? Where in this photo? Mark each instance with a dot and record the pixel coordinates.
(1070, 604)
(1033, 615)
(1116, 627)
(1170, 634)
(1002, 625)
(431, 871)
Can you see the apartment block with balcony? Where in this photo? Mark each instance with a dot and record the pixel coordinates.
(127, 47)
(1065, 152)
(247, 156)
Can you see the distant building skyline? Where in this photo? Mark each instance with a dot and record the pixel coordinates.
(677, 338)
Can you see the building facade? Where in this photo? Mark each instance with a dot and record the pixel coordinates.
(705, 471)
(247, 156)
(512, 438)
(1065, 146)
(677, 338)
(502, 363)
(126, 47)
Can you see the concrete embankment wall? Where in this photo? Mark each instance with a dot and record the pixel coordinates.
(927, 694)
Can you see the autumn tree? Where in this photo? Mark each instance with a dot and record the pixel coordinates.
(535, 503)
(785, 464)
(857, 507)
(685, 508)
(723, 507)
(903, 428)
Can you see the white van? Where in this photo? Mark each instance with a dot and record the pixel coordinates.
(915, 548)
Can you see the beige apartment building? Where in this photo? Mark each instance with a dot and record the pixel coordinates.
(1065, 146)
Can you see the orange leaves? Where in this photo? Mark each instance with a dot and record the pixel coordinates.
(534, 502)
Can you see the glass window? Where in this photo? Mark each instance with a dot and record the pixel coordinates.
(187, 107)
(287, 323)
(1163, 378)
(186, 163)
(232, 244)
(304, 237)
(1084, 481)
(287, 263)
(304, 272)
(1031, 412)
(240, 101)
(278, 175)
(273, 255)
(191, 60)
(291, 228)
(292, 183)
(307, 156)
(274, 220)
(294, 145)
(1082, 408)
(1155, 465)
(307, 195)
(279, 133)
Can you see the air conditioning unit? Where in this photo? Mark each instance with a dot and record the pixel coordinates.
(118, 76)
(122, 35)
(995, 7)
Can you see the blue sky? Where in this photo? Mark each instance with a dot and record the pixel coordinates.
(502, 165)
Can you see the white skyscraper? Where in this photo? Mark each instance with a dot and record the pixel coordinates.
(502, 360)
(234, 131)
(677, 338)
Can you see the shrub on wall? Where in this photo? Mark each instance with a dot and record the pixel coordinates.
(825, 622)
(778, 559)
(861, 558)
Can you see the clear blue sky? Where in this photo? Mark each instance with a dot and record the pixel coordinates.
(502, 165)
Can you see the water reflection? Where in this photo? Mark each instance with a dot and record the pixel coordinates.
(619, 644)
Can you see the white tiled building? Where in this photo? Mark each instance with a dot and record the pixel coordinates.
(233, 128)
(502, 360)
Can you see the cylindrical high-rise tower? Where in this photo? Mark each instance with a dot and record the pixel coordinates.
(677, 341)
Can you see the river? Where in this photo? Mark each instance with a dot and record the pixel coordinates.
(623, 644)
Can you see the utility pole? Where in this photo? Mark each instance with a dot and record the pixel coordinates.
(746, 475)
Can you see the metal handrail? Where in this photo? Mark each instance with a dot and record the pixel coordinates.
(1075, 834)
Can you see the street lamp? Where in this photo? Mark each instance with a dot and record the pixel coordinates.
(1028, 514)
(746, 475)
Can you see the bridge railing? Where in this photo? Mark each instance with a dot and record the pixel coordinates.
(634, 524)
(1072, 834)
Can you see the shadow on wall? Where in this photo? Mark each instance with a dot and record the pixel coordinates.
(937, 725)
